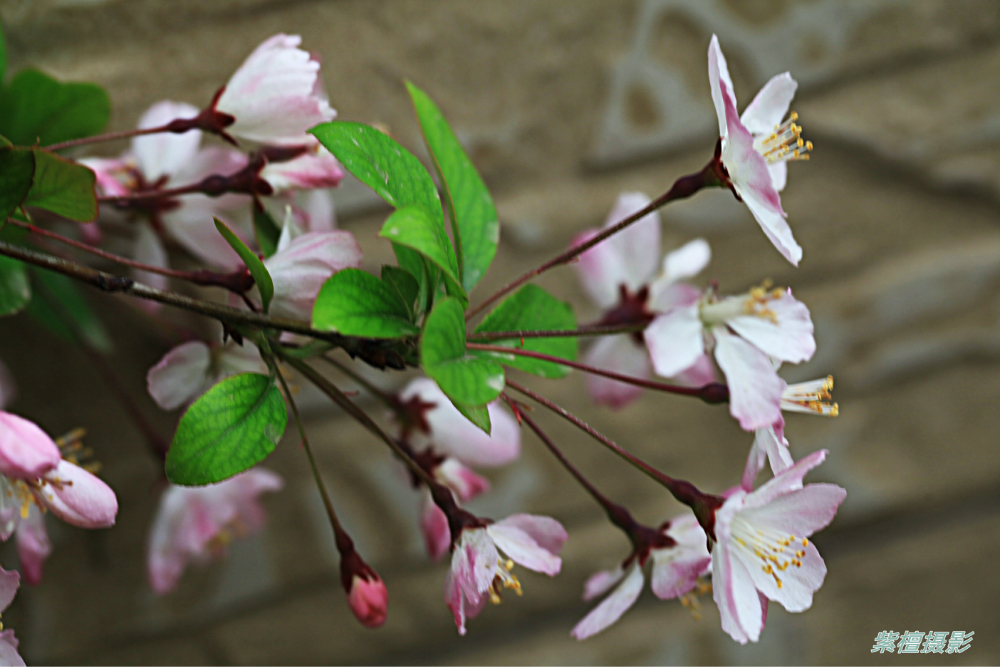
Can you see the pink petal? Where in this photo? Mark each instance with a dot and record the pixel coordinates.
(789, 479)
(192, 226)
(462, 480)
(800, 512)
(148, 249)
(548, 533)
(775, 227)
(9, 582)
(8, 650)
(699, 374)
(787, 337)
(676, 569)
(26, 451)
(675, 340)
(78, 497)
(619, 354)
(765, 113)
(666, 296)
(110, 173)
(613, 606)
(454, 435)
(33, 545)
(314, 169)
(368, 601)
(165, 153)
(180, 376)
(477, 562)
(740, 607)
(523, 549)
(601, 582)
(767, 446)
(233, 359)
(434, 528)
(299, 271)
(273, 94)
(687, 261)
(754, 386)
(638, 245)
(601, 270)
(316, 210)
(718, 74)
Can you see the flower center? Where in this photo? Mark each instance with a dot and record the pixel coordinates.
(503, 579)
(812, 396)
(785, 143)
(775, 550)
(755, 302)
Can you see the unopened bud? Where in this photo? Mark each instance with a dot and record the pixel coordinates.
(368, 599)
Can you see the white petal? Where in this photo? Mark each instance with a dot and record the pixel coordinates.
(613, 606)
(799, 512)
(775, 228)
(601, 270)
(638, 244)
(766, 447)
(786, 337)
(736, 596)
(523, 549)
(165, 153)
(718, 73)
(798, 583)
(601, 582)
(180, 376)
(619, 354)
(754, 386)
(768, 109)
(675, 340)
(779, 174)
(148, 249)
(789, 479)
(687, 261)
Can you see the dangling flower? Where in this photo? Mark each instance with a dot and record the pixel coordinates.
(479, 574)
(756, 147)
(679, 556)
(746, 333)
(190, 369)
(195, 524)
(367, 595)
(275, 95)
(761, 551)
(619, 274)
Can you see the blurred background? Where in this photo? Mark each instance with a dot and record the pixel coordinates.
(563, 104)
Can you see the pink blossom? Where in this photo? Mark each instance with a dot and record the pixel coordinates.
(276, 94)
(368, 599)
(33, 545)
(194, 524)
(477, 572)
(466, 485)
(9, 582)
(746, 333)
(315, 168)
(756, 147)
(677, 564)
(190, 369)
(26, 451)
(301, 264)
(78, 497)
(761, 550)
(620, 275)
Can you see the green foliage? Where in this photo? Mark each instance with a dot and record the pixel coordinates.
(229, 429)
(58, 302)
(63, 187)
(15, 290)
(405, 285)
(17, 169)
(473, 215)
(266, 229)
(3, 56)
(37, 108)
(468, 380)
(396, 176)
(478, 415)
(533, 309)
(355, 303)
(257, 269)
(414, 228)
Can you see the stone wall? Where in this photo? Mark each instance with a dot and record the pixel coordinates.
(563, 104)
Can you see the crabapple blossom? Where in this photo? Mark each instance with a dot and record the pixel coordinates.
(195, 524)
(275, 95)
(679, 557)
(9, 582)
(190, 369)
(620, 276)
(761, 551)
(314, 168)
(479, 574)
(745, 333)
(368, 599)
(756, 147)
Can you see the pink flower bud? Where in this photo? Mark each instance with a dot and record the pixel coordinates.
(368, 599)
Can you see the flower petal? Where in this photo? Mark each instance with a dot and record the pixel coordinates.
(675, 340)
(718, 74)
(523, 549)
(601, 582)
(687, 261)
(8, 650)
(740, 608)
(786, 337)
(299, 270)
(317, 168)
(638, 244)
(775, 227)
(180, 376)
(800, 512)
(462, 480)
(165, 153)
(33, 545)
(754, 386)
(765, 113)
(78, 497)
(798, 583)
(601, 270)
(548, 533)
(148, 249)
(613, 606)
(787, 480)
(9, 582)
(619, 354)
(767, 446)
(26, 451)
(434, 528)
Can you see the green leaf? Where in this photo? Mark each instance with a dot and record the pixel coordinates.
(473, 216)
(394, 174)
(63, 187)
(3, 56)
(478, 415)
(414, 228)
(266, 229)
(58, 299)
(404, 284)
(37, 108)
(257, 269)
(17, 169)
(533, 309)
(354, 303)
(15, 290)
(466, 379)
(231, 428)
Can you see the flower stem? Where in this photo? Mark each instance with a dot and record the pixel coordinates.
(713, 392)
(684, 492)
(682, 188)
(110, 136)
(585, 330)
(357, 377)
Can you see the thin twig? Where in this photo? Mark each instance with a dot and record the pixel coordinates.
(110, 136)
(586, 330)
